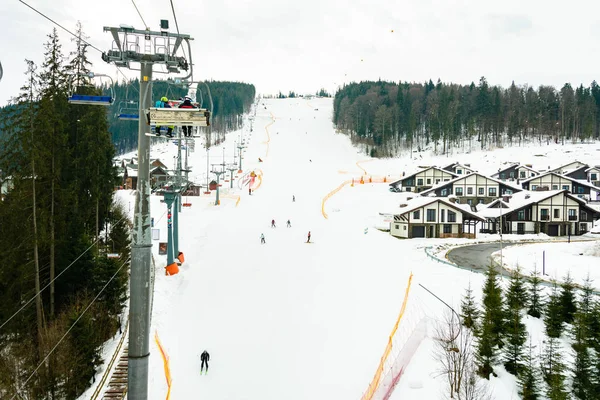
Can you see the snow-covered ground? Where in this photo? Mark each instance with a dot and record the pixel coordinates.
(290, 320)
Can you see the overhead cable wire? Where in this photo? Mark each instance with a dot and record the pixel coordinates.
(69, 330)
(62, 27)
(139, 13)
(177, 27)
(55, 278)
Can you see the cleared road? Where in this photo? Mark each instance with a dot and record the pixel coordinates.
(477, 256)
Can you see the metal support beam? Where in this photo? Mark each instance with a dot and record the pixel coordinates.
(141, 258)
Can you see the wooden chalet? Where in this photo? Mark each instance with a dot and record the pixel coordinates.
(514, 172)
(555, 213)
(430, 217)
(422, 180)
(473, 189)
(554, 181)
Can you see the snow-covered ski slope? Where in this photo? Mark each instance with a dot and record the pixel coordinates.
(290, 320)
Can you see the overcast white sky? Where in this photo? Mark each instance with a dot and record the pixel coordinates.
(308, 44)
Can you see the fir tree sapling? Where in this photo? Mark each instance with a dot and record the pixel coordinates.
(469, 311)
(536, 301)
(553, 319)
(553, 370)
(567, 299)
(529, 377)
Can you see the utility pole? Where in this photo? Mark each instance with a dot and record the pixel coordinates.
(126, 49)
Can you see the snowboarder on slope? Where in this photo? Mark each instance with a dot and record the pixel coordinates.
(308, 241)
(204, 357)
(273, 224)
(262, 238)
(289, 224)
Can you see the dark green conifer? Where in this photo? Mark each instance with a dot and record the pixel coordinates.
(529, 379)
(469, 311)
(535, 296)
(553, 319)
(567, 299)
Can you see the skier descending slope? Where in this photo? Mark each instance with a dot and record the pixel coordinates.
(204, 357)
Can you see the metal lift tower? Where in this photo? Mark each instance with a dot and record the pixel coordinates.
(144, 48)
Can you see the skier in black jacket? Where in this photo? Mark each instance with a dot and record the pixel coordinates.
(187, 103)
(204, 357)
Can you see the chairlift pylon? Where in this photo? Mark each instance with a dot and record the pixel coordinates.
(93, 100)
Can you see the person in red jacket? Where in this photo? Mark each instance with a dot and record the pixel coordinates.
(187, 103)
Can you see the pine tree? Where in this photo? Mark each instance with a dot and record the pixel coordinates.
(487, 354)
(553, 319)
(582, 368)
(515, 335)
(553, 370)
(567, 300)
(516, 295)
(535, 296)
(492, 305)
(529, 376)
(469, 312)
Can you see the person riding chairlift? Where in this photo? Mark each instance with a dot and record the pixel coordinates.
(187, 103)
(164, 103)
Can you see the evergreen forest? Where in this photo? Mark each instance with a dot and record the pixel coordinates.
(566, 364)
(388, 117)
(61, 296)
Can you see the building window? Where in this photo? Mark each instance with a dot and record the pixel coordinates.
(470, 202)
(580, 190)
(521, 215)
(430, 215)
(554, 187)
(481, 191)
(492, 192)
(469, 190)
(459, 171)
(458, 191)
(502, 175)
(420, 182)
(594, 177)
(566, 187)
(397, 226)
(522, 174)
(437, 181)
(512, 174)
(584, 216)
(451, 216)
(533, 187)
(544, 214)
(417, 214)
(443, 215)
(480, 201)
(429, 181)
(572, 214)
(557, 213)
(447, 228)
(444, 192)
(583, 227)
(404, 227)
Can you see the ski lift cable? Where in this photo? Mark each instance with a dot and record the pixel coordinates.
(139, 13)
(62, 27)
(55, 278)
(182, 48)
(69, 330)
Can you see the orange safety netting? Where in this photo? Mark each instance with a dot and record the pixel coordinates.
(377, 378)
(329, 195)
(165, 358)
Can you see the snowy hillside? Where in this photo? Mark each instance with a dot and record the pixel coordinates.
(291, 320)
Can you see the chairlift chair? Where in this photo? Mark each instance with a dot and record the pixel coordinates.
(93, 100)
(128, 111)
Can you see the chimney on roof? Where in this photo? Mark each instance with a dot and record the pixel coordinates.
(527, 196)
(468, 165)
(452, 199)
(529, 165)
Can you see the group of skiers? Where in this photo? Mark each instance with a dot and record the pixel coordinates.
(186, 102)
(288, 225)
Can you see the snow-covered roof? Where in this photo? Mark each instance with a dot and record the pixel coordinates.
(450, 182)
(422, 170)
(578, 181)
(595, 167)
(419, 202)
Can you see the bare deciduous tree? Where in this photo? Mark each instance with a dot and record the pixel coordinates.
(454, 352)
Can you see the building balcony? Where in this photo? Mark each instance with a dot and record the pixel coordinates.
(572, 217)
(545, 218)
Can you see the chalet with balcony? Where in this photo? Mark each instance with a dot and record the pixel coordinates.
(459, 169)
(430, 217)
(422, 180)
(593, 175)
(554, 181)
(473, 189)
(514, 172)
(555, 213)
